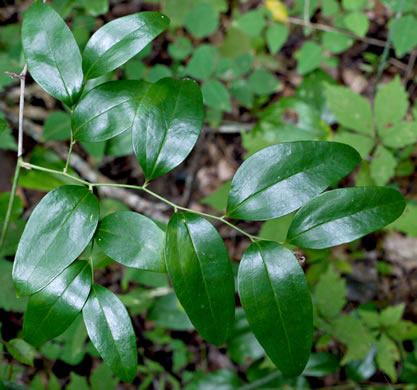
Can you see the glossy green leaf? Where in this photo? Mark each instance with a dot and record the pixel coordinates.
(52, 54)
(108, 110)
(111, 331)
(133, 240)
(52, 310)
(167, 125)
(201, 274)
(119, 40)
(281, 178)
(60, 227)
(277, 303)
(343, 215)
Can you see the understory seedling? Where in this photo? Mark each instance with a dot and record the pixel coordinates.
(165, 119)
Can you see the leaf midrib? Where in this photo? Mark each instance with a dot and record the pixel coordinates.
(277, 303)
(273, 184)
(59, 231)
(345, 216)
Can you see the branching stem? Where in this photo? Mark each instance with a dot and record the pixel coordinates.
(139, 188)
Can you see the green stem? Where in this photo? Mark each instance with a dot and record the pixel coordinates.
(54, 171)
(69, 153)
(140, 188)
(10, 205)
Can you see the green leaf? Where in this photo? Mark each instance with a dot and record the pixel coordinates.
(119, 40)
(169, 315)
(158, 72)
(215, 95)
(95, 7)
(133, 240)
(277, 303)
(351, 110)
(329, 294)
(203, 62)
(235, 44)
(7, 141)
(52, 310)
(391, 104)
(218, 199)
(111, 331)
(202, 20)
(48, 45)
(382, 167)
(330, 8)
(220, 380)
(343, 215)
(21, 351)
(200, 270)
(57, 127)
(8, 300)
(276, 229)
(281, 178)
(362, 143)
(103, 379)
(17, 208)
(168, 123)
(108, 110)
(404, 34)
(350, 330)
(261, 82)
(77, 382)
(180, 49)
(354, 4)
(251, 23)
(322, 364)
(177, 10)
(400, 135)
(337, 42)
(392, 315)
(276, 36)
(387, 354)
(407, 223)
(239, 89)
(357, 22)
(360, 370)
(60, 227)
(309, 57)
(242, 345)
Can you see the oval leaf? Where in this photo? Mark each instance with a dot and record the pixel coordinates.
(53, 309)
(201, 274)
(59, 229)
(111, 331)
(52, 54)
(167, 125)
(281, 178)
(132, 240)
(343, 215)
(119, 40)
(107, 110)
(277, 303)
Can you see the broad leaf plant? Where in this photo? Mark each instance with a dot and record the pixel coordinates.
(165, 120)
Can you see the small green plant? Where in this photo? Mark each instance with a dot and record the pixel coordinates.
(54, 260)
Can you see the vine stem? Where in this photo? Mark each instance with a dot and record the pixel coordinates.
(22, 78)
(69, 153)
(139, 188)
(10, 205)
